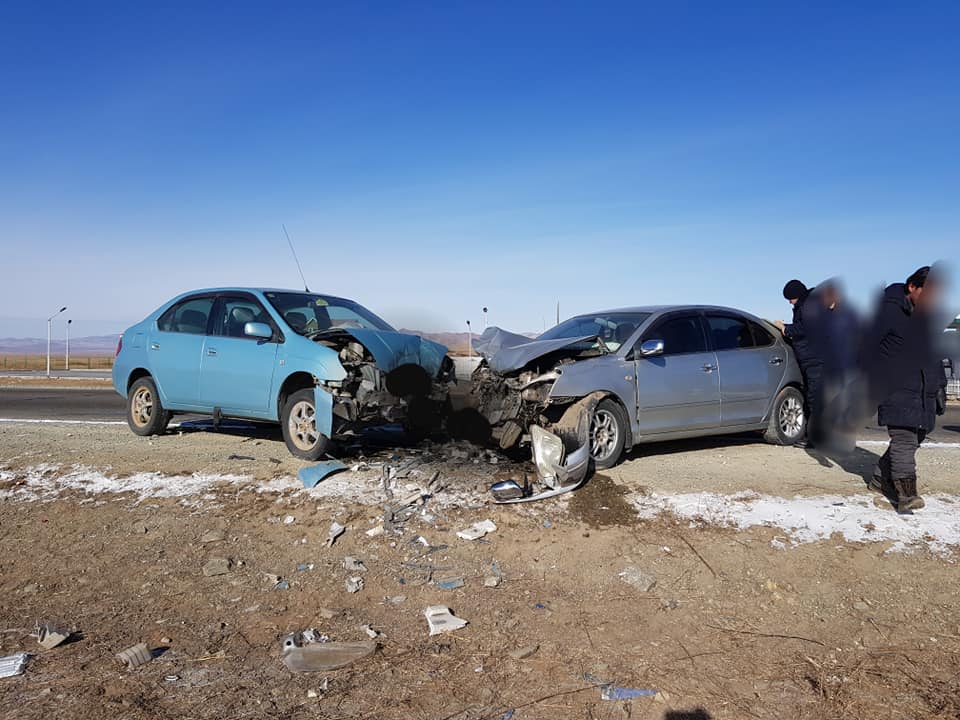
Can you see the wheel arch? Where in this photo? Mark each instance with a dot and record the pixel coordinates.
(138, 373)
(299, 380)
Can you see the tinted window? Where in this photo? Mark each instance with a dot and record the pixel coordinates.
(729, 333)
(187, 316)
(237, 312)
(761, 336)
(680, 335)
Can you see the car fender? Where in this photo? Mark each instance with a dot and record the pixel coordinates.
(609, 374)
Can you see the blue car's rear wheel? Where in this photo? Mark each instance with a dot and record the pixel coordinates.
(299, 424)
(145, 413)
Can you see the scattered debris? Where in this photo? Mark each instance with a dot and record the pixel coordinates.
(354, 565)
(134, 657)
(507, 490)
(15, 664)
(524, 652)
(492, 581)
(634, 576)
(303, 567)
(442, 620)
(375, 531)
(609, 692)
(354, 584)
(477, 530)
(48, 637)
(312, 475)
(327, 613)
(371, 633)
(282, 585)
(312, 636)
(336, 530)
(217, 566)
(321, 657)
(451, 583)
(212, 536)
(397, 600)
(289, 520)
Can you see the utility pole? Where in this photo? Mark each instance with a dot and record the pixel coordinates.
(66, 363)
(49, 326)
(558, 312)
(469, 340)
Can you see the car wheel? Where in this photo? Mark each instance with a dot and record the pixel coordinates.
(299, 424)
(145, 413)
(608, 433)
(788, 421)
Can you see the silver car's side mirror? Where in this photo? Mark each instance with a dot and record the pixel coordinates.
(261, 331)
(651, 348)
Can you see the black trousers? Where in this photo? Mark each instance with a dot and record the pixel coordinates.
(899, 462)
(813, 394)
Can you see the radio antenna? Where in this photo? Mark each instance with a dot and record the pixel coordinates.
(295, 258)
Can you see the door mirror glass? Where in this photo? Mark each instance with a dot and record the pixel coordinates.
(651, 348)
(261, 331)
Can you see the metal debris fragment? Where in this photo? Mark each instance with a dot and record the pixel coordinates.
(477, 530)
(134, 657)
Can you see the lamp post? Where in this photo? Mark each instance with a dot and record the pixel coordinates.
(484, 319)
(66, 360)
(49, 326)
(469, 340)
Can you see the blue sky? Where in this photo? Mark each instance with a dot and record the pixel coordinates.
(432, 158)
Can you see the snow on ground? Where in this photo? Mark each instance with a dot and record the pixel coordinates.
(810, 519)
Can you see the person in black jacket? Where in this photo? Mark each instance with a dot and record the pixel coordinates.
(906, 380)
(807, 352)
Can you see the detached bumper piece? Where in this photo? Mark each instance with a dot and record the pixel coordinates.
(559, 471)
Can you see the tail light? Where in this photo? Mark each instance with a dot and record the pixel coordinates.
(119, 346)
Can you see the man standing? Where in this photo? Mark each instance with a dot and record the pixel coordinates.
(907, 381)
(806, 351)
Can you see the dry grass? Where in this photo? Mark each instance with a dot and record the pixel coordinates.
(39, 362)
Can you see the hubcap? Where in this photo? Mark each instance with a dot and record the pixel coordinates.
(604, 435)
(303, 426)
(791, 417)
(141, 406)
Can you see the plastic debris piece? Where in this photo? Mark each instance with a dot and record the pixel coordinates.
(217, 566)
(492, 581)
(48, 637)
(524, 652)
(289, 520)
(375, 531)
(15, 664)
(354, 584)
(212, 536)
(353, 565)
(610, 692)
(371, 633)
(321, 657)
(451, 583)
(134, 657)
(634, 576)
(397, 600)
(508, 715)
(282, 585)
(441, 620)
(477, 530)
(336, 530)
(312, 475)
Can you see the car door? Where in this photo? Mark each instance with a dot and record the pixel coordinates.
(176, 348)
(237, 370)
(750, 367)
(678, 390)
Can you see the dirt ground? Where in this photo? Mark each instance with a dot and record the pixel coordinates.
(732, 628)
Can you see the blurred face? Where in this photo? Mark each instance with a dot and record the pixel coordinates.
(929, 294)
(793, 301)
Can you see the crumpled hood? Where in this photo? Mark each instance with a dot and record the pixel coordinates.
(505, 351)
(393, 349)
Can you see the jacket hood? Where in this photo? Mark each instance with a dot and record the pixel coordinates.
(393, 349)
(505, 351)
(896, 294)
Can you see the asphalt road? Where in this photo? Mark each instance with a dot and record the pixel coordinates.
(106, 405)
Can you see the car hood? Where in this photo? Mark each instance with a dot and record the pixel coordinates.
(505, 351)
(393, 349)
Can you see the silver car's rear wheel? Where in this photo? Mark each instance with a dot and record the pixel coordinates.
(608, 432)
(791, 417)
(788, 421)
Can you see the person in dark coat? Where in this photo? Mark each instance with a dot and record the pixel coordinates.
(805, 349)
(906, 380)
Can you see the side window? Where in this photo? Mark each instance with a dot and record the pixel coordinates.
(761, 336)
(188, 316)
(729, 333)
(679, 334)
(237, 312)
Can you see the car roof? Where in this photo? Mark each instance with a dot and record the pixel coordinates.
(204, 291)
(657, 309)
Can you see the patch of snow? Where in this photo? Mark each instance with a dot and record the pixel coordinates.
(811, 519)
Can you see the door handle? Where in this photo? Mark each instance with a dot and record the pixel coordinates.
(154, 346)
(776, 361)
(708, 368)
(211, 351)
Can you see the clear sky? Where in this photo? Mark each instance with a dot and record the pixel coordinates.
(432, 158)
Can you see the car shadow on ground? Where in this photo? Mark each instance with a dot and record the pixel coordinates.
(697, 714)
(672, 447)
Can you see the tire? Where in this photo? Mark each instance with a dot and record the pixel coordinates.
(145, 413)
(610, 422)
(788, 421)
(299, 426)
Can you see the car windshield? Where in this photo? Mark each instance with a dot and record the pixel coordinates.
(309, 314)
(613, 328)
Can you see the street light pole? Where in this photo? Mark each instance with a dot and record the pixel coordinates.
(66, 363)
(469, 340)
(49, 326)
(484, 319)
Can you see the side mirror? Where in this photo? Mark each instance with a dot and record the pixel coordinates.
(261, 331)
(651, 348)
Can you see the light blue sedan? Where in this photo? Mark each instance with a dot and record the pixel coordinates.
(321, 366)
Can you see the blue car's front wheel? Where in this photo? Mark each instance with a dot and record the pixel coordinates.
(299, 425)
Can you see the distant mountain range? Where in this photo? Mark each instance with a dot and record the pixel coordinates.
(107, 344)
